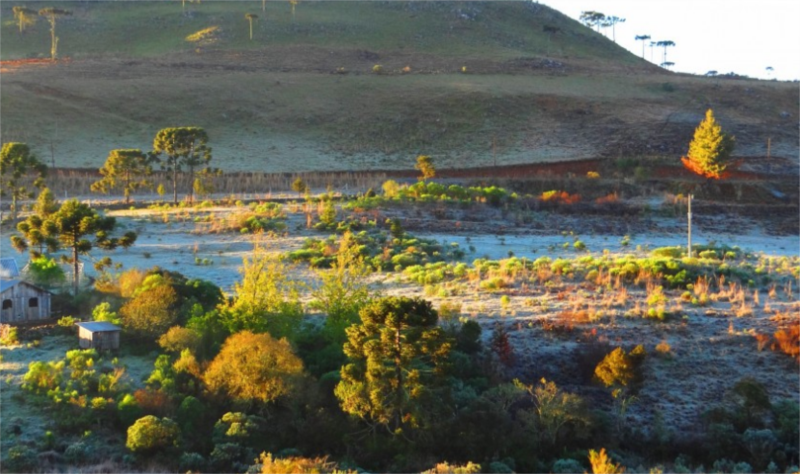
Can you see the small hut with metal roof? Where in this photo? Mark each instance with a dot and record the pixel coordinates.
(100, 335)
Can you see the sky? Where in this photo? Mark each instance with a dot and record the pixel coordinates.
(719, 35)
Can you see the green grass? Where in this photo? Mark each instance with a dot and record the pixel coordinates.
(499, 30)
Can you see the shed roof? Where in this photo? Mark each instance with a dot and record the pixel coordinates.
(8, 268)
(99, 326)
(6, 284)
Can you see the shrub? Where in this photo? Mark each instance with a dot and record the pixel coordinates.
(149, 434)
(8, 335)
(788, 341)
(567, 466)
(46, 272)
(179, 338)
(20, 459)
(77, 453)
(602, 464)
(291, 465)
(468, 468)
(192, 462)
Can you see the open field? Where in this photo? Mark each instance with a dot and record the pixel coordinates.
(306, 97)
(555, 319)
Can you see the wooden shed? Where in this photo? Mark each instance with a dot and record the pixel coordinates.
(23, 302)
(98, 335)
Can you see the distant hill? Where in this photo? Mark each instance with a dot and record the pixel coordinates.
(362, 85)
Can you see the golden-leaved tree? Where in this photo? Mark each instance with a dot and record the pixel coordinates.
(709, 150)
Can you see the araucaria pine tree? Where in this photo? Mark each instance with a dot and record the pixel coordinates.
(709, 150)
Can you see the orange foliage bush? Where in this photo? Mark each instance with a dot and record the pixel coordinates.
(560, 196)
(788, 341)
(611, 198)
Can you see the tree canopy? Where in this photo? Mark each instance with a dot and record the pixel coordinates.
(398, 356)
(18, 166)
(126, 169)
(183, 147)
(254, 368)
(78, 228)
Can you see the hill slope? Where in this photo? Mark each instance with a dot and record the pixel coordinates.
(470, 83)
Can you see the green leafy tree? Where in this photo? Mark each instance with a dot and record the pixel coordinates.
(183, 147)
(250, 17)
(150, 434)
(18, 166)
(103, 312)
(52, 14)
(266, 299)
(25, 17)
(425, 166)
(343, 290)
(398, 359)
(254, 368)
(79, 228)
(126, 169)
(709, 150)
(46, 272)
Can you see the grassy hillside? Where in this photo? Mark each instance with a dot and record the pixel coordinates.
(470, 83)
(451, 29)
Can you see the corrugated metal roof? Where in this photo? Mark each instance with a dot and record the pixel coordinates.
(8, 268)
(99, 326)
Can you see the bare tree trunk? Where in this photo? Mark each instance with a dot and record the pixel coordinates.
(191, 184)
(75, 269)
(175, 184)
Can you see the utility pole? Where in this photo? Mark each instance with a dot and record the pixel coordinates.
(769, 146)
(494, 151)
(689, 214)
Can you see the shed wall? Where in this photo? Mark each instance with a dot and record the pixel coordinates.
(23, 302)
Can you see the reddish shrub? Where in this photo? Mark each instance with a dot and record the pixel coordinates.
(153, 402)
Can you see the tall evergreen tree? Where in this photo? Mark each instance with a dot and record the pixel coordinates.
(709, 150)
(127, 169)
(17, 166)
(398, 362)
(183, 146)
